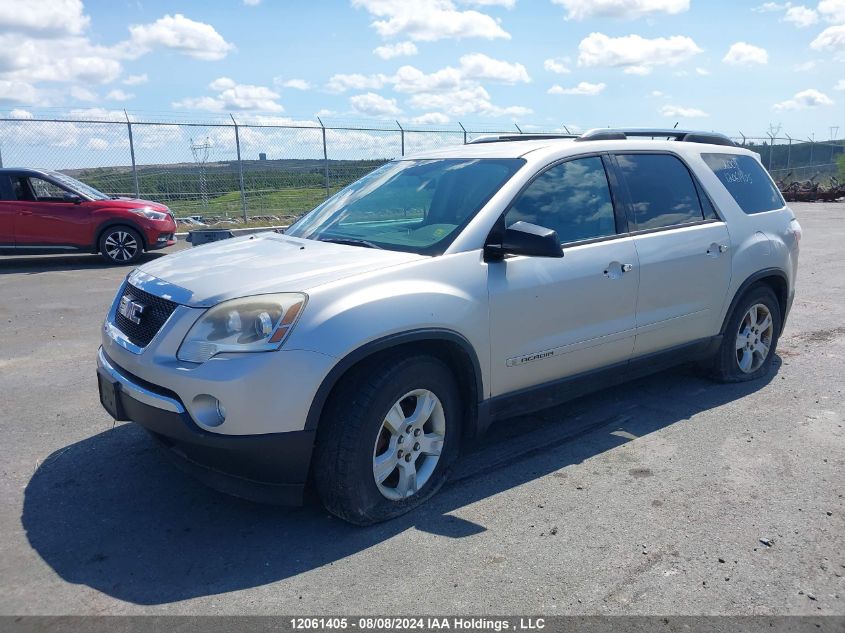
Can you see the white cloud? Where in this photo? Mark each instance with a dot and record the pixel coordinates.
(507, 4)
(744, 54)
(832, 10)
(622, 9)
(635, 52)
(702, 71)
(463, 101)
(176, 32)
(371, 104)
(97, 143)
(480, 66)
(400, 49)
(429, 20)
(295, 84)
(682, 112)
(430, 118)
(19, 113)
(411, 79)
(804, 66)
(136, 80)
(557, 65)
(355, 81)
(233, 96)
(771, 7)
(80, 93)
(44, 18)
(801, 16)
(583, 88)
(657, 93)
(831, 39)
(119, 95)
(17, 92)
(252, 3)
(810, 98)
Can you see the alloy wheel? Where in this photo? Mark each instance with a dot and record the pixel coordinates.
(121, 246)
(408, 444)
(754, 338)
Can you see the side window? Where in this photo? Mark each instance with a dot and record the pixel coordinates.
(6, 191)
(45, 191)
(572, 198)
(662, 191)
(746, 180)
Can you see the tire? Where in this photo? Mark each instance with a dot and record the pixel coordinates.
(121, 245)
(748, 348)
(358, 433)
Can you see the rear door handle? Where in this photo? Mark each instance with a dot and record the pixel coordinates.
(714, 250)
(26, 212)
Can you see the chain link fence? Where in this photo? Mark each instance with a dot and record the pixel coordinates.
(273, 171)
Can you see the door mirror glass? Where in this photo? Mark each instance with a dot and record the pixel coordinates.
(524, 238)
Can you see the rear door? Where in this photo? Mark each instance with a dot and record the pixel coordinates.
(683, 249)
(551, 318)
(46, 218)
(8, 212)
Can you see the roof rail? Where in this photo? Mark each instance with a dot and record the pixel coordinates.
(503, 138)
(688, 136)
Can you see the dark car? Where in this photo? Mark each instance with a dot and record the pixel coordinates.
(44, 211)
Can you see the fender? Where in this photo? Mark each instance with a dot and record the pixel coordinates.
(117, 222)
(760, 274)
(386, 343)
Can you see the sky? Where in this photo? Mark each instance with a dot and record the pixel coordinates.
(737, 67)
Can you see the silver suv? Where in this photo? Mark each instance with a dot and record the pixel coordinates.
(363, 348)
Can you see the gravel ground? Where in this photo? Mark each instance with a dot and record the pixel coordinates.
(652, 498)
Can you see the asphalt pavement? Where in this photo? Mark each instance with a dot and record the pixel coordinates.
(669, 495)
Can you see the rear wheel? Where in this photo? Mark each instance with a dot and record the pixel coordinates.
(387, 440)
(121, 245)
(751, 337)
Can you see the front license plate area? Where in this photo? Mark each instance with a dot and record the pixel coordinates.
(110, 396)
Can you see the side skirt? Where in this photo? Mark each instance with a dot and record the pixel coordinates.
(559, 391)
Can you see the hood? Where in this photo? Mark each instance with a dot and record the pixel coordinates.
(257, 264)
(132, 203)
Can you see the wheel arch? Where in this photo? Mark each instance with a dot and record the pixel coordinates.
(115, 222)
(774, 278)
(448, 346)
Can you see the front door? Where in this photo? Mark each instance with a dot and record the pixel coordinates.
(8, 212)
(552, 318)
(47, 218)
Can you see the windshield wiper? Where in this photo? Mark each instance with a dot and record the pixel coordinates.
(349, 241)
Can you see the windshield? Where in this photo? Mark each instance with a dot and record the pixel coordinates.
(78, 187)
(418, 206)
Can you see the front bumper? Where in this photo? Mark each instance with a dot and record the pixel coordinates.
(269, 468)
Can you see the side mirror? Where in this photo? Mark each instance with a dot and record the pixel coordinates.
(72, 197)
(523, 238)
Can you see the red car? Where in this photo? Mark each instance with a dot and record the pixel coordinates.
(45, 211)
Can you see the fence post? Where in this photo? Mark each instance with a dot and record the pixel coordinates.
(788, 154)
(325, 156)
(131, 154)
(402, 136)
(240, 168)
(464, 131)
(771, 149)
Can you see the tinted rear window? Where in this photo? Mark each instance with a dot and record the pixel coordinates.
(662, 190)
(746, 180)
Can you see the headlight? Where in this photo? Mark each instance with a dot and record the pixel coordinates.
(250, 324)
(150, 214)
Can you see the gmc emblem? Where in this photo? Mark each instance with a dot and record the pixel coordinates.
(132, 310)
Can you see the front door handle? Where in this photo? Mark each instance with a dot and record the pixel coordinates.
(26, 212)
(626, 268)
(714, 250)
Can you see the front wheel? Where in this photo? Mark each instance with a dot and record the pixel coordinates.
(387, 440)
(751, 337)
(120, 245)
